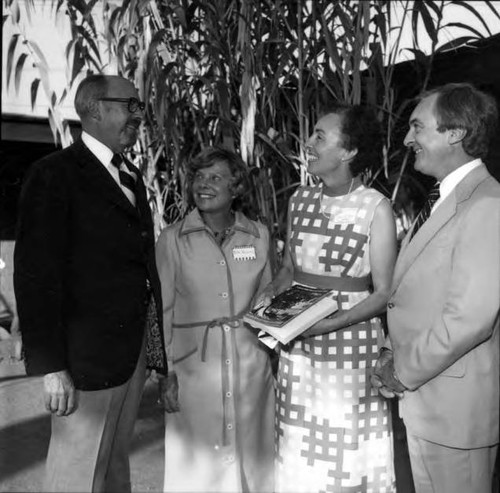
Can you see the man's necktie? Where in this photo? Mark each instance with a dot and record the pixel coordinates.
(127, 182)
(426, 209)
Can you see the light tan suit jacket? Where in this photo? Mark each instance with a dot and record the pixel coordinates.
(443, 318)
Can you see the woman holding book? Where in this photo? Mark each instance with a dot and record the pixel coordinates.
(333, 432)
(219, 393)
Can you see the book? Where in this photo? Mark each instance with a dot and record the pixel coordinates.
(292, 312)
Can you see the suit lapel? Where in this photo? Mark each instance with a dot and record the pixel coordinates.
(410, 250)
(99, 178)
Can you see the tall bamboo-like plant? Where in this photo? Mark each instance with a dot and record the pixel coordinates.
(247, 74)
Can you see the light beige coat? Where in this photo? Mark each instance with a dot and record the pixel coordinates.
(443, 318)
(222, 438)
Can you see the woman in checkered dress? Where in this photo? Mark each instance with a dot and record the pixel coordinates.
(333, 432)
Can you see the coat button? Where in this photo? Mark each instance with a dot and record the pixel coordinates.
(224, 295)
(144, 234)
(390, 305)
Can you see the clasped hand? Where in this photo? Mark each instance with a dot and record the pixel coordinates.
(384, 376)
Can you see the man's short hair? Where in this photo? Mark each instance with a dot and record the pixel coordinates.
(91, 88)
(463, 106)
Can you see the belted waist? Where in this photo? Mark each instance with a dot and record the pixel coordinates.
(350, 284)
(222, 322)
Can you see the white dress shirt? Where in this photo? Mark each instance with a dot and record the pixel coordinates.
(103, 153)
(453, 179)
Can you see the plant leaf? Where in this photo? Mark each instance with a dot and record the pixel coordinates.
(331, 47)
(493, 9)
(28, 7)
(10, 55)
(474, 12)
(455, 43)
(466, 27)
(63, 96)
(19, 70)
(34, 92)
(430, 27)
(39, 54)
(155, 41)
(87, 37)
(53, 125)
(16, 12)
(42, 66)
(420, 57)
(78, 62)
(432, 5)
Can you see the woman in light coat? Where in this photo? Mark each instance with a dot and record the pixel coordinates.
(219, 393)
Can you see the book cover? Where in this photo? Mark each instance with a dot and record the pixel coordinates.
(292, 312)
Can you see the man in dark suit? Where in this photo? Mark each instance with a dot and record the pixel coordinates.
(84, 275)
(444, 310)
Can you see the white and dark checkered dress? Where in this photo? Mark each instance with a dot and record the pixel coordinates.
(333, 433)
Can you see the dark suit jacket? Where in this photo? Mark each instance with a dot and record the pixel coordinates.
(82, 258)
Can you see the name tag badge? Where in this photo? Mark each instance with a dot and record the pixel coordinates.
(244, 252)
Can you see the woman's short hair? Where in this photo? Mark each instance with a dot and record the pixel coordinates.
(211, 155)
(91, 88)
(362, 131)
(462, 106)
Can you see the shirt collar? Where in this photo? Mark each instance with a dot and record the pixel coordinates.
(194, 222)
(450, 181)
(98, 149)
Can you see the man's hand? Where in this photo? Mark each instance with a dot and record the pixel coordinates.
(59, 393)
(384, 376)
(169, 392)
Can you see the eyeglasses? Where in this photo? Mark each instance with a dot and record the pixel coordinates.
(133, 103)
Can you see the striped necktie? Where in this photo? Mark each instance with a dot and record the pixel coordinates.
(426, 209)
(127, 181)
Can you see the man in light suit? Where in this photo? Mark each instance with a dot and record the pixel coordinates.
(84, 274)
(442, 356)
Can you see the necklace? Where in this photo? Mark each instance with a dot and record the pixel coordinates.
(322, 208)
(220, 236)
(223, 233)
